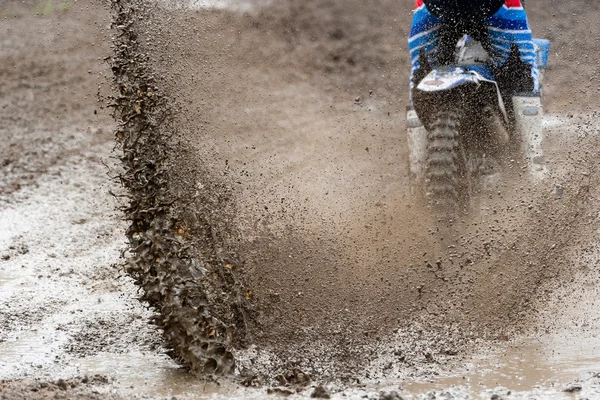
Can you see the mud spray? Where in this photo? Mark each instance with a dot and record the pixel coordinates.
(178, 286)
(271, 225)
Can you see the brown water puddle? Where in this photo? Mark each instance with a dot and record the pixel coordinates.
(541, 367)
(549, 362)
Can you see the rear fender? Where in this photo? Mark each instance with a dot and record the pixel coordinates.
(448, 79)
(444, 80)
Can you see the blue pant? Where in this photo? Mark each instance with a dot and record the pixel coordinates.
(507, 26)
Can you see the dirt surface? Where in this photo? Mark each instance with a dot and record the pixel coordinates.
(288, 141)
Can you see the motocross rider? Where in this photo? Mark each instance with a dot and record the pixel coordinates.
(500, 25)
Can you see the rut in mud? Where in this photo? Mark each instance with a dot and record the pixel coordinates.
(267, 167)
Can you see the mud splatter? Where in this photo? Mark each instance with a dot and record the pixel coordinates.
(178, 286)
(330, 254)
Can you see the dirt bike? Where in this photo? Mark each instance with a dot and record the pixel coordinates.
(462, 127)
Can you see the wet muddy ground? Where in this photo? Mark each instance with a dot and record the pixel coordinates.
(70, 322)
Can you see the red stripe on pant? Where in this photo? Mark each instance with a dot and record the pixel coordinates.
(513, 3)
(418, 4)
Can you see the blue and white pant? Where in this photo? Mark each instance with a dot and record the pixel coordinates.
(507, 26)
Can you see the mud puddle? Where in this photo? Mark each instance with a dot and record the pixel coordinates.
(551, 367)
(546, 365)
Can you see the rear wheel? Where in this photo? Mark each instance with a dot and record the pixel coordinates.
(444, 164)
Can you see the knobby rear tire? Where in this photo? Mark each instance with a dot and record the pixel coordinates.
(443, 161)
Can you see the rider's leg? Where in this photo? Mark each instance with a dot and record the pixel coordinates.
(423, 37)
(509, 28)
(431, 38)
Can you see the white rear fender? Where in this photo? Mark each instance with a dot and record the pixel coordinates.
(447, 79)
(437, 80)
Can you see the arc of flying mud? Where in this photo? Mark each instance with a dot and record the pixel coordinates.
(176, 285)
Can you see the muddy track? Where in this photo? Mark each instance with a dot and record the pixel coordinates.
(282, 173)
(266, 164)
